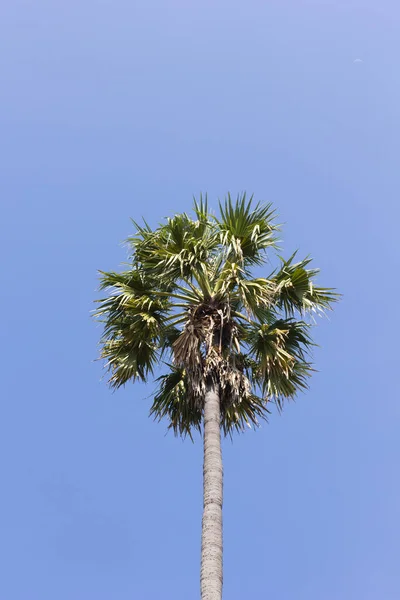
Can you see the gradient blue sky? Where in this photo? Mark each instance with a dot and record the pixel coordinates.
(111, 110)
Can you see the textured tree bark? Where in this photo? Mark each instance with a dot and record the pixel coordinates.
(211, 541)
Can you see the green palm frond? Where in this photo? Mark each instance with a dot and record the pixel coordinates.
(174, 401)
(280, 366)
(253, 294)
(176, 249)
(134, 320)
(200, 208)
(245, 414)
(129, 361)
(246, 230)
(296, 291)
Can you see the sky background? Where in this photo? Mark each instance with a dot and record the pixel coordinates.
(117, 109)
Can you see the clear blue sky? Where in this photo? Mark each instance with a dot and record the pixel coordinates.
(111, 110)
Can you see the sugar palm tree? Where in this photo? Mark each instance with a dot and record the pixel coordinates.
(232, 344)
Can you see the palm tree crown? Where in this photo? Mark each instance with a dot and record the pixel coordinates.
(189, 299)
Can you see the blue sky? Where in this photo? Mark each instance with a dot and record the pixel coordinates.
(111, 110)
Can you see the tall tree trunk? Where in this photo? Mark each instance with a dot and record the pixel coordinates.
(211, 541)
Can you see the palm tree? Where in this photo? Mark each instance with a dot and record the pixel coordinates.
(232, 343)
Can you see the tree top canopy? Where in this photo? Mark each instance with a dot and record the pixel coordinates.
(190, 299)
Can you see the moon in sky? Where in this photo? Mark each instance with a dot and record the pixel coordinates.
(357, 60)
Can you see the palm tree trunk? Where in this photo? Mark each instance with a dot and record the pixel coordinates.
(211, 541)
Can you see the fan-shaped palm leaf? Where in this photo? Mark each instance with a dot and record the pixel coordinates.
(246, 230)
